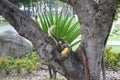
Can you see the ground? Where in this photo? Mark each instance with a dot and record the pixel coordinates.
(43, 74)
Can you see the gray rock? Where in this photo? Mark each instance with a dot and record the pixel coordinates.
(6, 28)
(14, 45)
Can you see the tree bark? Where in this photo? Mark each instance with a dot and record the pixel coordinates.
(85, 62)
(96, 22)
(29, 29)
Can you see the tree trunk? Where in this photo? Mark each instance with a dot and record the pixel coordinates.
(96, 21)
(83, 64)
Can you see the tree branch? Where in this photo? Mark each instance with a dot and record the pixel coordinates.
(66, 1)
(46, 50)
(70, 2)
(29, 29)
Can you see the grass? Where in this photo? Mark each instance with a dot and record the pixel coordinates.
(4, 23)
(113, 38)
(115, 49)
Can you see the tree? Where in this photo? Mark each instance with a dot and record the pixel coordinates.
(96, 19)
(25, 3)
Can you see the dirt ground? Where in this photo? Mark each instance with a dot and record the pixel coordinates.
(44, 73)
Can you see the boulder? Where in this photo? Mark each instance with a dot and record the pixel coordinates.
(14, 45)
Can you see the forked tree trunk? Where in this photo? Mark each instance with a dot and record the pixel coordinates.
(83, 64)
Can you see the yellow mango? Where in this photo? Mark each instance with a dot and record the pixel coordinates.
(64, 51)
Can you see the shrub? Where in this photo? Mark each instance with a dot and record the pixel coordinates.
(111, 58)
(28, 63)
(67, 27)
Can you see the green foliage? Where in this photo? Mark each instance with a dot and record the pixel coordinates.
(118, 4)
(116, 30)
(4, 23)
(28, 63)
(19, 2)
(4, 65)
(113, 37)
(67, 27)
(111, 59)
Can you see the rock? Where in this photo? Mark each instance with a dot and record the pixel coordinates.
(6, 28)
(14, 45)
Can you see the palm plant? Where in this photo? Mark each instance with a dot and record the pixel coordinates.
(67, 27)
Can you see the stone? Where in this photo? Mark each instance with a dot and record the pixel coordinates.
(14, 45)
